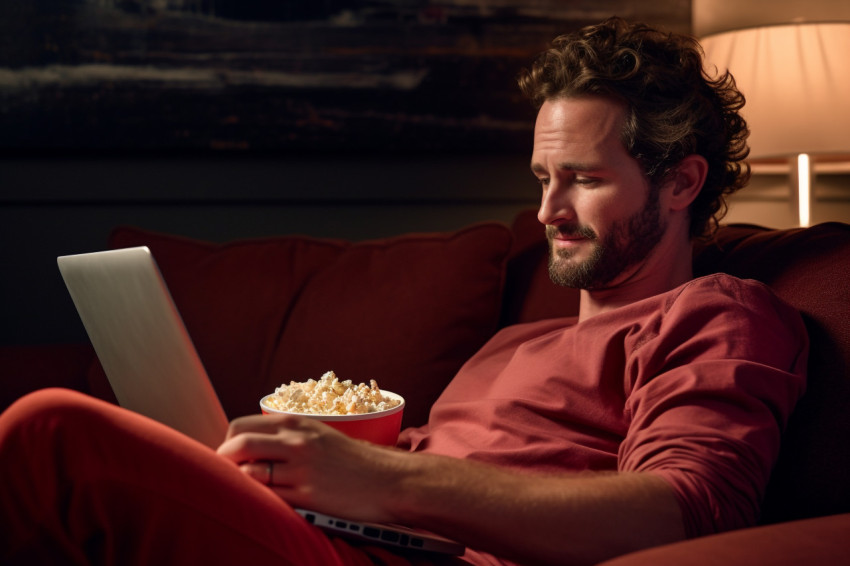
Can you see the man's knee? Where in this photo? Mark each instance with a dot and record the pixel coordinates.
(44, 413)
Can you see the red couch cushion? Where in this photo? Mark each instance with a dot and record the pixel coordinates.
(406, 311)
(812, 541)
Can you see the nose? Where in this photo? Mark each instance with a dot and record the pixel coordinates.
(556, 206)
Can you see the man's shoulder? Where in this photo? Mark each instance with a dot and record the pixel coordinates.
(723, 288)
(721, 296)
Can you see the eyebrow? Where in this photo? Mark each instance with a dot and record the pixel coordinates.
(568, 166)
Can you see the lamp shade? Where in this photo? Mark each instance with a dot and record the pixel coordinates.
(796, 80)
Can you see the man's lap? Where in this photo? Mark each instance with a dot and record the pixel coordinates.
(121, 484)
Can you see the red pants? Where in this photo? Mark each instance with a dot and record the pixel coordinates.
(85, 482)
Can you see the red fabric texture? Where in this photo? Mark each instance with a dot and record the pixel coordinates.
(806, 267)
(695, 385)
(809, 269)
(800, 543)
(113, 496)
(405, 311)
(97, 484)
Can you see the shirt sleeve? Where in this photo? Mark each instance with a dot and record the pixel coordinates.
(713, 389)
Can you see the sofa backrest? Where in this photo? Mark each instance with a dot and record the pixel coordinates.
(406, 311)
(809, 269)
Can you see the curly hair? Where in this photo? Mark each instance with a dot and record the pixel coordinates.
(675, 108)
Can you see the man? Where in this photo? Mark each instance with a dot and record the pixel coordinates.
(652, 417)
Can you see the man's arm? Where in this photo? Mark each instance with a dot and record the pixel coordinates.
(563, 519)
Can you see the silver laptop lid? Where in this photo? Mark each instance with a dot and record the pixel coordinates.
(141, 341)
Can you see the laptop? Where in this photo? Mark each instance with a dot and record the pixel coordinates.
(154, 369)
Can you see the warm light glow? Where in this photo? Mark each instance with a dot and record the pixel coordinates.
(797, 84)
(804, 189)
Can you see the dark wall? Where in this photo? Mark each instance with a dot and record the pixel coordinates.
(51, 206)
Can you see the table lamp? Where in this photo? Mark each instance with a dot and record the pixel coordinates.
(795, 76)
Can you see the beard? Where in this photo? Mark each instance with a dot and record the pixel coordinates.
(628, 242)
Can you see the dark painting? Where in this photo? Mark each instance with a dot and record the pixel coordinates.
(283, 74)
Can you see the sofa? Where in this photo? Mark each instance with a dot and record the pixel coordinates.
(407, 311)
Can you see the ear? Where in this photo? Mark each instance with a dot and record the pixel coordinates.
(686, 181)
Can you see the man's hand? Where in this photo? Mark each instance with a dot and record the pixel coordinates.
(313, 465)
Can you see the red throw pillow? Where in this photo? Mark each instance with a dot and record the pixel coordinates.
(406, 311)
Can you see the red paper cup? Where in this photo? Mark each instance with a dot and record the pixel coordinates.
(381, 427)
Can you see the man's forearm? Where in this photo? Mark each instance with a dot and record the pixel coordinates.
(571, 519)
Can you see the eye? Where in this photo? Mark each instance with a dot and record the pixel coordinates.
(543, 181)
(587, 181)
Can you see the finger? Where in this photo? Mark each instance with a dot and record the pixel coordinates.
(261, 471)
(251, 446)
(266, 472)
(273, 473)
(261, 423)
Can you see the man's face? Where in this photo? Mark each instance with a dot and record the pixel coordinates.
(602, 217)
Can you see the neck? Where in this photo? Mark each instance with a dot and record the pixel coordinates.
(668, 266)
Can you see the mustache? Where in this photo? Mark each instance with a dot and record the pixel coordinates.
(570, 230)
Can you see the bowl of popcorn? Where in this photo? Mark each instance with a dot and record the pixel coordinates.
(361, 410)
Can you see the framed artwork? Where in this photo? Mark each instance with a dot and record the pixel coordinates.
(251, 75)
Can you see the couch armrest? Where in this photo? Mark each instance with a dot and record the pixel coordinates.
(822, 540)
(24, 369)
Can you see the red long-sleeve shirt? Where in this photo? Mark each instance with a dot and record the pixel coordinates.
(695, 385)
